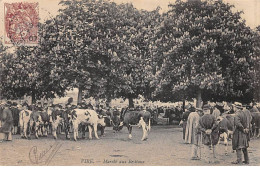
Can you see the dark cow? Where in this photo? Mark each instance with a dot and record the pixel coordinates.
(130, 117)
(60, 117)
(34, 123)
(226, 128)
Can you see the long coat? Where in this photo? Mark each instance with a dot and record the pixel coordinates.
(15, 113)
(6, 120)
(240, 138)
(208, 121)
(184, 119)
(191, 136)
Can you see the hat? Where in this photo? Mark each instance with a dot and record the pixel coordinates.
(238, 105)
(25, 104)
(199, 109)
(14, 104)
(226, 108)
(219, 104)
(206, 107)
(8, 103)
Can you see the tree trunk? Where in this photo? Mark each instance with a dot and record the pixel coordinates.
(33, 98)
(80, 95)
(108, 101)
(198, 104)
(131, 102)
(183, 105)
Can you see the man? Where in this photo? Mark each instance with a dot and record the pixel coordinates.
(240, 141)
(191, 127)
(208, 126)
(249, 117)
(6, 119)
(193, 119)
(255, 121)
(216, 113)
(184, 120)
(15, 114)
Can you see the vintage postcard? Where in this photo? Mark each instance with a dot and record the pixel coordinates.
(129, 82)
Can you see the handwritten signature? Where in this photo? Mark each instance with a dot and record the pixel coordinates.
(45, 156)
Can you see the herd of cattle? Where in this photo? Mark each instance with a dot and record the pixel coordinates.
(55, 119)
(42, 121)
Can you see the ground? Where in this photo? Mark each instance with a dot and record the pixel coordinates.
(163, 147)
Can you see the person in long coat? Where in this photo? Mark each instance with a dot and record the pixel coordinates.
(6, 122)
(208, 126)
(197, 137)
(192, 122)
(255, 121)
(216, 113)
(184, 120)
(240, 141)
(15, 114)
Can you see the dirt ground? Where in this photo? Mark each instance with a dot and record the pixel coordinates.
(163, 147)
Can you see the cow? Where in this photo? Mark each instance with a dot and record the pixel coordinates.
(35, 124)
(24, 122)
(107, 114)
(130, 117)
(86, 117)
(226, 127)
(59, 117)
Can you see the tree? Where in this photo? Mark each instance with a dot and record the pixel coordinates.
(256, 71)
(203, 47)
(29, 71)
(102, 47)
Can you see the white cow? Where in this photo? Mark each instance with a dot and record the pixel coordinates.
(86, 117)
(24, 121)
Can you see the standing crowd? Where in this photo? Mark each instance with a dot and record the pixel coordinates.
(206, 126)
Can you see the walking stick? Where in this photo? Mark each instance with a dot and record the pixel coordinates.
(212, 147)
(200, 143)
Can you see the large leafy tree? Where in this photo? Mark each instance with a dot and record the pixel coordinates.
(101, 47)
(256, 71)
(29, 71)
(203, 49)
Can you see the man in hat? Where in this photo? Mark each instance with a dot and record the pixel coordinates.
(208, 126)
(191, 126)
(216, 113)
(15, 114)
(255, 121)
(240, 141)
(184, 119)
(195, 134)
(249, 117)
(6, 118)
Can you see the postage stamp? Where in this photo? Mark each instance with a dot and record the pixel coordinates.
(21, 23)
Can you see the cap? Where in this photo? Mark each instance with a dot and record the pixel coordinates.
(238, 105)
(199, 109)
(206, 107)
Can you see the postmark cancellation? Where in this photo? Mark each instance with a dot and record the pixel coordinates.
(21, 23)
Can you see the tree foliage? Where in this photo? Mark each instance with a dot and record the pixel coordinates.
(204, 46)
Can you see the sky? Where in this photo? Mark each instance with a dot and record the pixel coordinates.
(49, 8)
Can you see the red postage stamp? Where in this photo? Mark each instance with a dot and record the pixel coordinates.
(21, 23)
